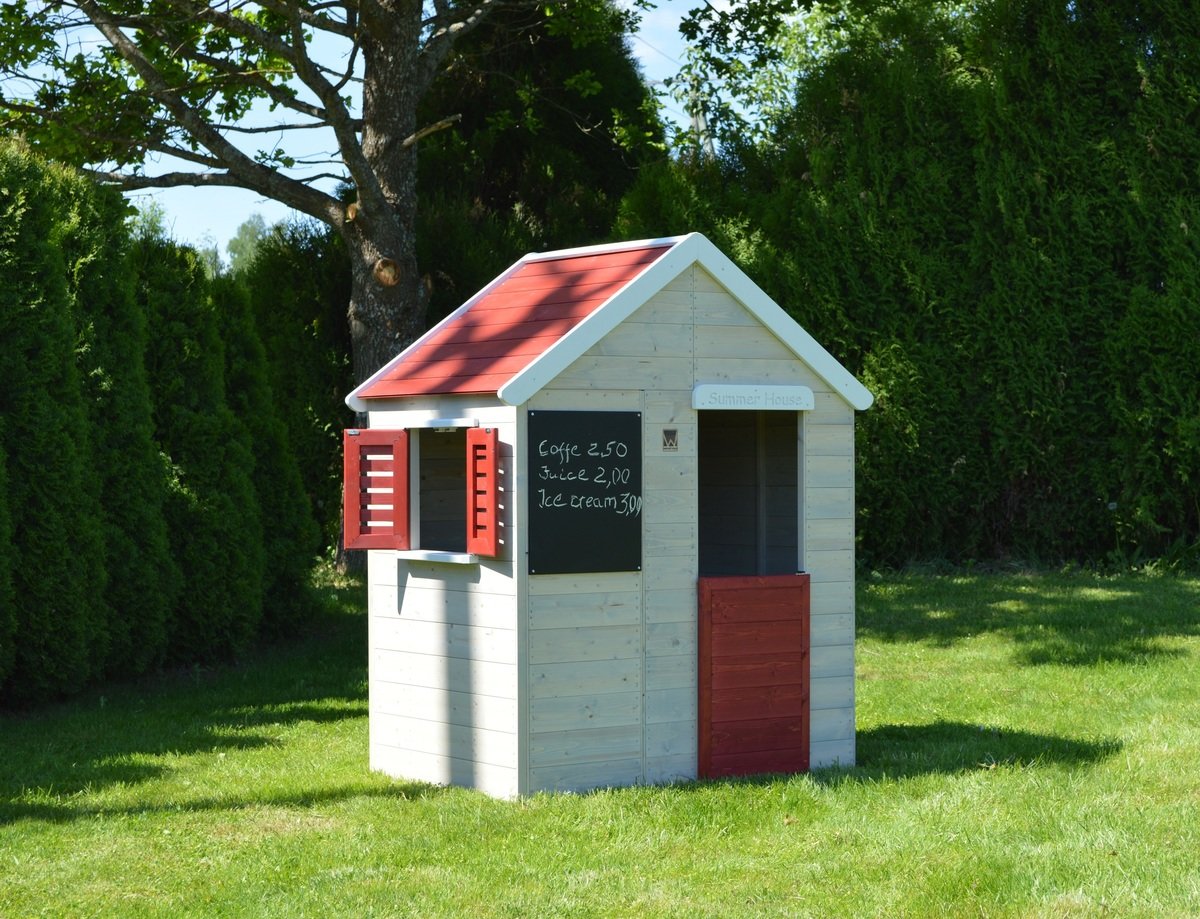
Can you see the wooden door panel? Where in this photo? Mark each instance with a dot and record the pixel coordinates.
(753, 675)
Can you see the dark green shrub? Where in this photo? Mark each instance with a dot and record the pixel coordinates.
(212, 511)
(57, 549)
(8, 612)
(291, 539)
(143, 579)
(299, 285)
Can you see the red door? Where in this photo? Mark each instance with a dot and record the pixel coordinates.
(753, 679)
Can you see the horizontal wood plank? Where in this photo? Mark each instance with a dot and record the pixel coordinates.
(465, 742)
(745, 342)
(581, 678)
(675, 672)
(547, 646)
(423, 604)
(826, 753)
(475, 676)
(781, 733)
(547, 585)
(673, 767)
(835, 660)
(607, 608)
(668, 639)
(749, 703)
(444, 705)
(667, 705)
(677, 605)
(751, 373)
(584, 745)
(769, 671)
(759, 762)
(831, 724)
(444, 639)
(498, 781)
(563, 713)
(613, 773)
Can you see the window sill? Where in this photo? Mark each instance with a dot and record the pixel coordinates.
(436, 555)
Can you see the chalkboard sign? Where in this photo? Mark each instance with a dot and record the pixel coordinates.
(585, 492)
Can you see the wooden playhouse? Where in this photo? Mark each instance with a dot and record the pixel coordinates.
(609, 508)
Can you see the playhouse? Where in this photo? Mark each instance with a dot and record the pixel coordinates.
(609, 508)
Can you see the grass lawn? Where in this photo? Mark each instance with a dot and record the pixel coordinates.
(1028, 746)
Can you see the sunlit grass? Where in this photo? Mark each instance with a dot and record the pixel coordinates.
(1028, 746)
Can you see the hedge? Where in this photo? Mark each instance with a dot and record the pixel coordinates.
(131, 476)
(991, 217)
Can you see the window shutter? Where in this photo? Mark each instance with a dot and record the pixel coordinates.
(376, 489)
(483, 491)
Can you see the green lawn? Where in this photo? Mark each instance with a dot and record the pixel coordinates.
(1028, 746)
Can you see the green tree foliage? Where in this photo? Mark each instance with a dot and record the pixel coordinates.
(109, 84)
(297, 284)
(212, 510)
(8, 610)
(988, 214)
(244, 244)
(143, 579)
(291, 538)
(57, 549)
(554, 126)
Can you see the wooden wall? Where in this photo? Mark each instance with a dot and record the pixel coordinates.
(444, 643)
(612, 658)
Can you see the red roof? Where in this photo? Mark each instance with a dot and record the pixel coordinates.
(510, 323)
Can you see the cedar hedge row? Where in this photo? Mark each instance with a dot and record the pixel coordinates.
(993, 219)
(138, 450)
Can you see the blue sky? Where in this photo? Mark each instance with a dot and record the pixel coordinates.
(212, 215)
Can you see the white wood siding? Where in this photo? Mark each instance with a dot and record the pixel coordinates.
(444, 651)
(828, 541)
(612, 658)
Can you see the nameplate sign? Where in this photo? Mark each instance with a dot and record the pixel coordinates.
(735, 396)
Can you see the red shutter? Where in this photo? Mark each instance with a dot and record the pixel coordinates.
(376, 489)
(483, 491)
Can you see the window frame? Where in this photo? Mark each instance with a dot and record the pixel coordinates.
(482, 492)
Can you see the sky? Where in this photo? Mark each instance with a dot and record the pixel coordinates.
(211, 216)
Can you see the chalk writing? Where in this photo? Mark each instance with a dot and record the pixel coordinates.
(585, 496)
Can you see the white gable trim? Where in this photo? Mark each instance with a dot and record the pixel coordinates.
(693, 248)
(610, 314)
(790, 332)
(604, 248)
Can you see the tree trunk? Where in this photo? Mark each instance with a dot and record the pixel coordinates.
(387, 309)
(387, 298)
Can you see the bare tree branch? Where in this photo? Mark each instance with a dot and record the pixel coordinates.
(446, 31)
(434, 128)
(135, 182)
(247, 172)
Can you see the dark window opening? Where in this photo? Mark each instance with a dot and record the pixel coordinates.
(748, 493)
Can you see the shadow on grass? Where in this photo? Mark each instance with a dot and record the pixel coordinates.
(1069, 619)
(68, 812)
(900, 751)
(126, 734)
(903, 751)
